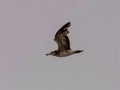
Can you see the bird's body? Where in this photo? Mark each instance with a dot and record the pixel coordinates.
(57, 53)
(63, 42)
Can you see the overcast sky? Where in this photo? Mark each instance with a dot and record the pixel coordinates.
(27, 29)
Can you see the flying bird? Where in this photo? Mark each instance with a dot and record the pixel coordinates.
(63, 43)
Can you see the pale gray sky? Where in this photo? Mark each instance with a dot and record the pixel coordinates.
(27, 29)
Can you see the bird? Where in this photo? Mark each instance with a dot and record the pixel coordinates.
(63, 43)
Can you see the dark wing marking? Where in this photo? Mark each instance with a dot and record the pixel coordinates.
(63, 29)
(62, 39)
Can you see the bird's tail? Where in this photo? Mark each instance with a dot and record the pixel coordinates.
(78, 51)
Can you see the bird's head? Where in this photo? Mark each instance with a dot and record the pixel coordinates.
(52, 53)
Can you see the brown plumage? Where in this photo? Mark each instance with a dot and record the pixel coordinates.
(63, 43)
(62, 39)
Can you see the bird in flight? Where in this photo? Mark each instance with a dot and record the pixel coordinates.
(63, 43)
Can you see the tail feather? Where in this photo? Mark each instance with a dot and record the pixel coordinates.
(78, 51)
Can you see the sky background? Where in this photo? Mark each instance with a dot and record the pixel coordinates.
(27, 29)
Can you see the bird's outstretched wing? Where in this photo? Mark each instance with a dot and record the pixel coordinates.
(62, 39)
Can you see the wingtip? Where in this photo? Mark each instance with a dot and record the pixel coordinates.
(68, 23)
(79, 51)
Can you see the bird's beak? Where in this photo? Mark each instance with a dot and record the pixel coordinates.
(48, 54)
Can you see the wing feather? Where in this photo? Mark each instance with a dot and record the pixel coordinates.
(62, 39)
